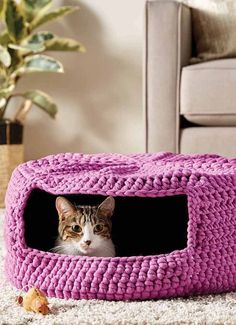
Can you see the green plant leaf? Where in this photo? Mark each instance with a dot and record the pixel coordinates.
(40, 37)
(40, 63)
(2, 7)
(33, 44)
(3, 76)
(36, 4)
(42, 100)
(15, 21)
(16, 59)
(4, 38)
(4, 92)
(50, 16)
(63, 44)
(5, 57)
(27, 48)
(32, 7)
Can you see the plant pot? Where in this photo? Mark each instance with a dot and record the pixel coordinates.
(11, 152)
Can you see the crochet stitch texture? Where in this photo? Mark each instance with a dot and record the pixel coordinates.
(206, 265)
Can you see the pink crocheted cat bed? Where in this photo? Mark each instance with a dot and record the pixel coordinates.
(174, 225)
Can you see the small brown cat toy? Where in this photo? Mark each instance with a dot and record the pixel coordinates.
(34, 300)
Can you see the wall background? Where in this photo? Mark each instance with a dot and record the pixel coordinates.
(100, 95)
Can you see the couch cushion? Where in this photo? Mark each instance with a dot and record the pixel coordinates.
(217, 140)
(208, 93)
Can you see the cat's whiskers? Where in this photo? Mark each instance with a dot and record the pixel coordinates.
(56, 249)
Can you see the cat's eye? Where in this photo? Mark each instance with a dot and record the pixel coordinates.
(98, 228)
(76, 228)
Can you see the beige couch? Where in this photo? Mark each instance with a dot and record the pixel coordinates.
(188, 108)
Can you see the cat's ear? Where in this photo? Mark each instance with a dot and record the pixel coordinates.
(106, 208)
(64, 207)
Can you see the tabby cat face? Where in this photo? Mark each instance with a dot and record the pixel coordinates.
(85, 228)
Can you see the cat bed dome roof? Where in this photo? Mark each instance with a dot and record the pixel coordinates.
(206, 265)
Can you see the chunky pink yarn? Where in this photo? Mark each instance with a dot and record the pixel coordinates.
(206, 265)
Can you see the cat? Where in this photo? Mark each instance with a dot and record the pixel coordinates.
(85, 230)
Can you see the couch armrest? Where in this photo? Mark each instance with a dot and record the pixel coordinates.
(168, 46)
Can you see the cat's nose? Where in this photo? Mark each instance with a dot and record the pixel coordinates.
(88, 242)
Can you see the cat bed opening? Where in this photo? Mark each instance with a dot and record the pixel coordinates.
(140, 225)
(197, 192)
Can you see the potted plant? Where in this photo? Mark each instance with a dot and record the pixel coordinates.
(22, 47)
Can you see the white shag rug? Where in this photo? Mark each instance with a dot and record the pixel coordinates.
(212, 309)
